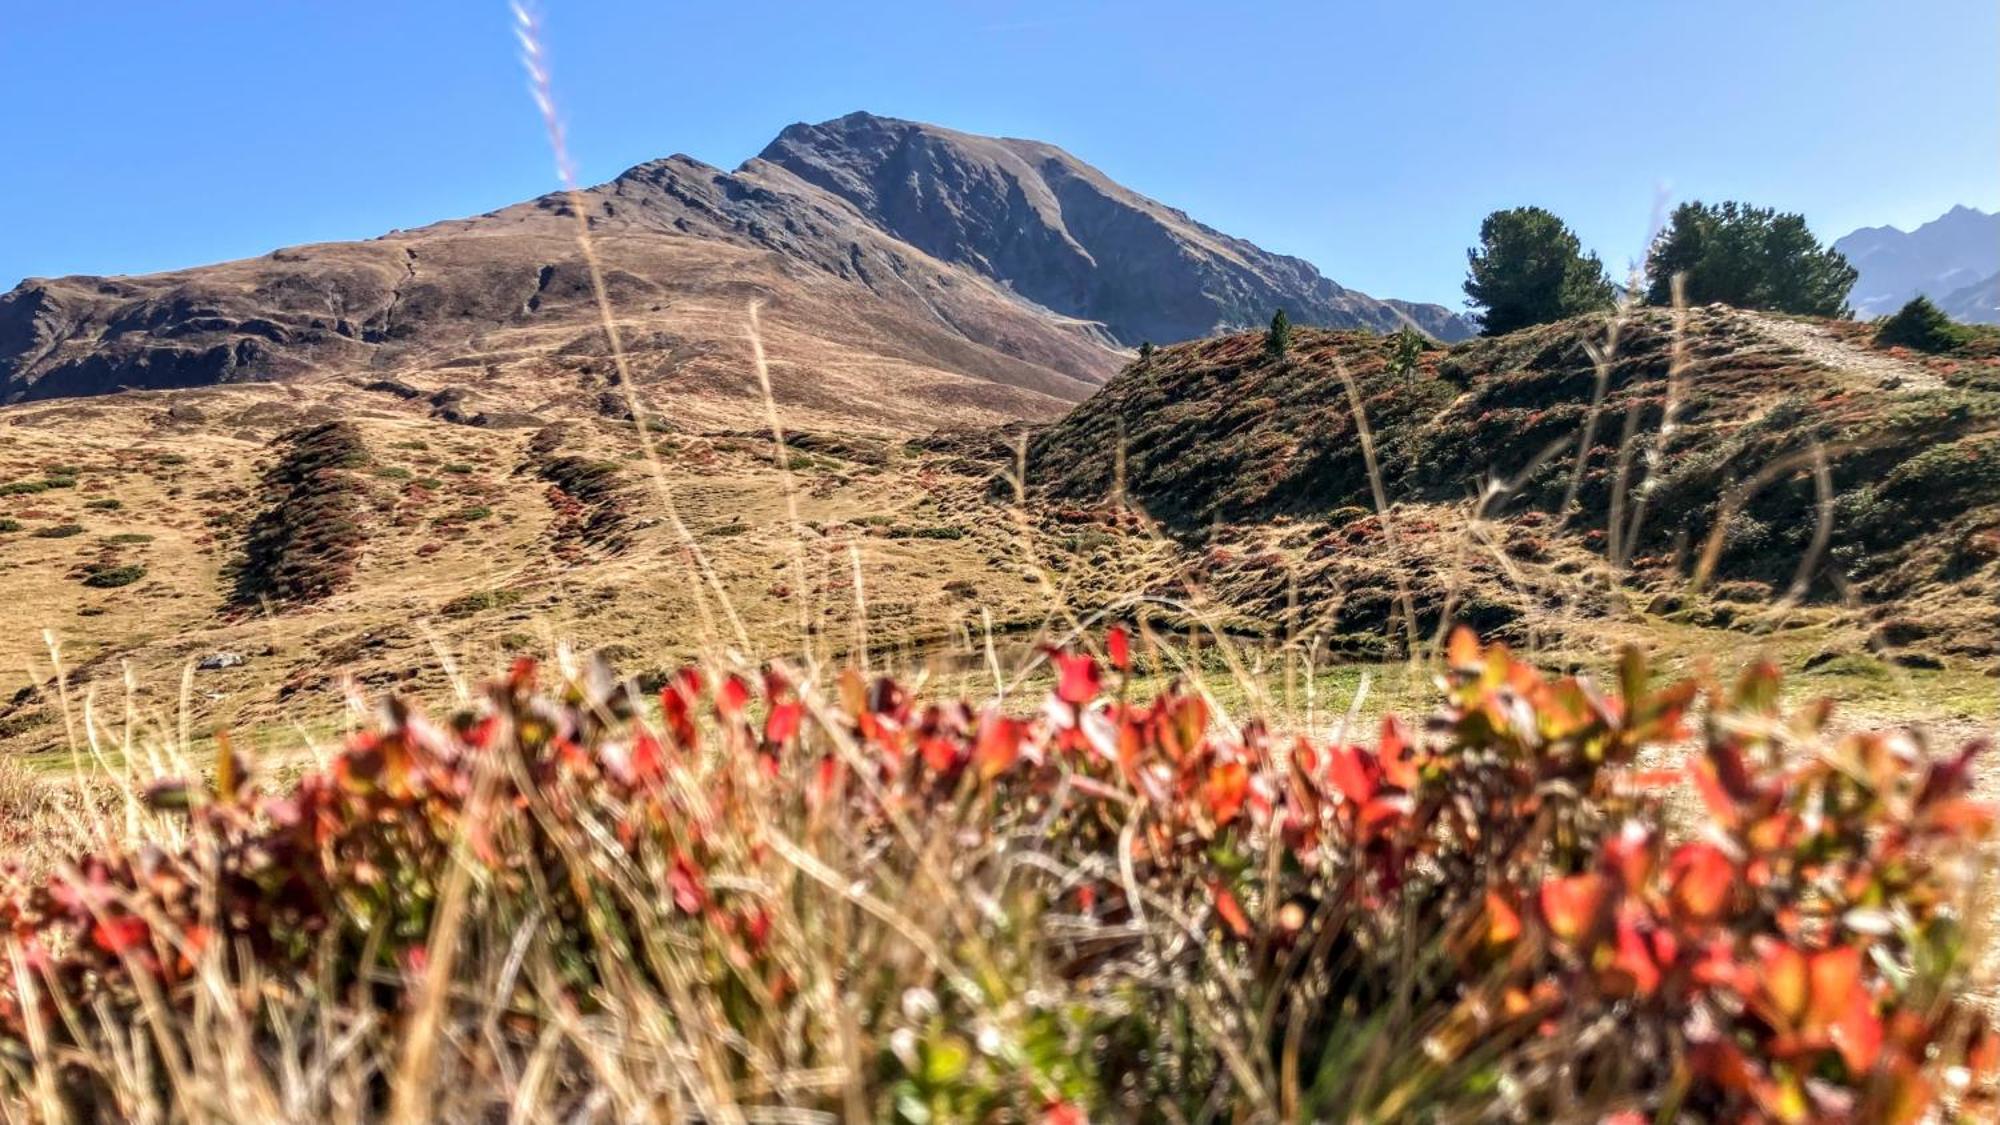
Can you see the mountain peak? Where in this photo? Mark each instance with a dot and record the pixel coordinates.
(1948, 259)
(1063, 235)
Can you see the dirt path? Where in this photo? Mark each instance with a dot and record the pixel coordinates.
(1866, 367)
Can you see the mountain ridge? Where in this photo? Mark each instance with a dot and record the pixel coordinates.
(916, 181)
(1951, 259)
(676, 235)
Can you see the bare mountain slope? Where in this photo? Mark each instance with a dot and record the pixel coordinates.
(1066, 236)
(685, 247)
(1015, 306)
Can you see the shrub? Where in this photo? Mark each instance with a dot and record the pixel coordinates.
(1529, 268)
(305, 542)
(23, 487)
(1104, 906)
(7, 524)
(124, 537)
(104, 504)
(466, 605)
(1922, 326)
(110, 577)
(59, 531)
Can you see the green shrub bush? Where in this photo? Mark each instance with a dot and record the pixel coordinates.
(1921, 326)
(110, 577)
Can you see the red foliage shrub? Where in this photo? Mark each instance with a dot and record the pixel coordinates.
(1491, 913)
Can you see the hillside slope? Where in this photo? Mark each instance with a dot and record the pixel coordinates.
(1216, 438)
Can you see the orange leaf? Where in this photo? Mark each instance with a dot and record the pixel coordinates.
(1786, 981)
(1230, 910)
(1571, 905)
(1702, 879)
(1857, 1034)
(1836, 978)
(1228, 784)
(1120, 645)
(1503, 922)
(1462, 654)
(997, 746)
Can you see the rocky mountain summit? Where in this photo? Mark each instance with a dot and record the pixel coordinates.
(999, 276)
(1067, 237)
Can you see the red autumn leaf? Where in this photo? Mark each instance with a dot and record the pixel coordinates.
(1230, 910)
(940, 754)
(1352, 771)
(118, 934)
(1120, 645)
(782, 724)
(1378, 814)
(648, 762)
(1571, 905)
(684, 880)
(1636, 955)
(997, 745)
(1063, 1113)
(1077, 678)
(731, 696)
(677, 705)
(1629, 855)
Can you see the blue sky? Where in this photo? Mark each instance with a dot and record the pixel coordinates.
(1369, 138)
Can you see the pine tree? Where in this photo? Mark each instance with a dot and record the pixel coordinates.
(1749, 257)
(1531, 269)
(1278, 340)
(1406, 349)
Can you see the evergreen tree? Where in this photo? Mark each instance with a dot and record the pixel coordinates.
(1146, 351)
(1278, 340)
(1531, 269)
(1749, 257)
(1406, 349)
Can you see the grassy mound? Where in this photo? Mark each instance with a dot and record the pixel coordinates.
(1214, 436)
(760, 899)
